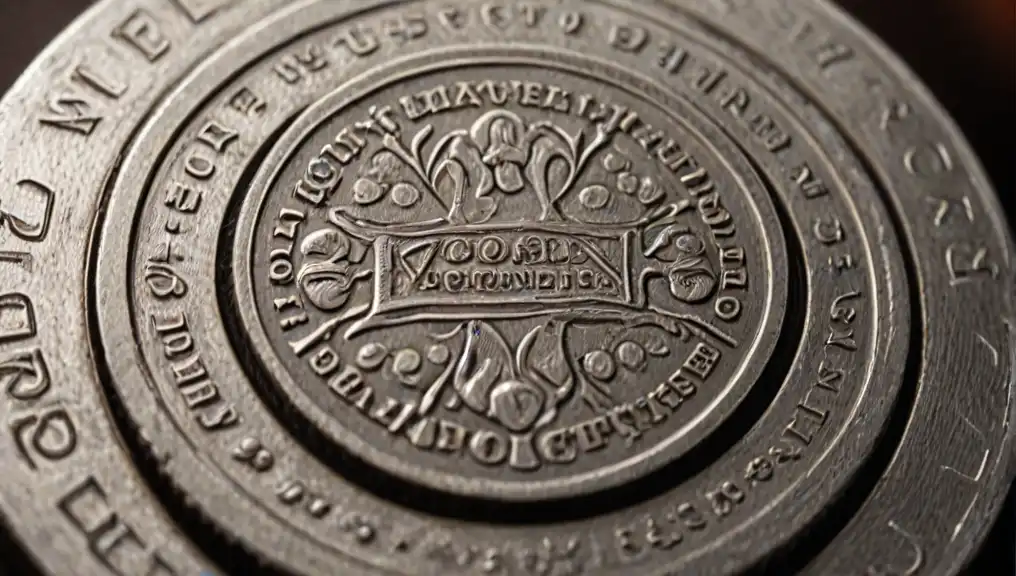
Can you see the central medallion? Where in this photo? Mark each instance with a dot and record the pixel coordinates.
(510, 279)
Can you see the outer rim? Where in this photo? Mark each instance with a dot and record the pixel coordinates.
(744, 551)
(1004, 472)
(1004, 462)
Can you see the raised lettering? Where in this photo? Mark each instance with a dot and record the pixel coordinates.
(17, 317)
(111, 540)
(50, 434)
(24, 375)
(968, 263)
(141, 32)
(28, 215)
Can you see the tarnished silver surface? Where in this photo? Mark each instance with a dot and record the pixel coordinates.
(547, 288)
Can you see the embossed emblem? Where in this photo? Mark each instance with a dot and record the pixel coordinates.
(475, 265)
(516, 274)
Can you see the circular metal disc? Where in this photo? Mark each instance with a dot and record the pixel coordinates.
(544, 288)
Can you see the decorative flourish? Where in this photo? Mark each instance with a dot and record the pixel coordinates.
(644, 188)
(505, 384)
(468, 173)
(372, 184)
(405, 364)
(600, 368)
(687, 269)
(382, 176)
(372, 356)
(500, 135)
(331, 270)
(599, 364)
(632, 356)
(499, 153)
(493, 381)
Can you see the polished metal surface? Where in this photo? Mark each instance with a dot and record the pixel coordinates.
(547, 288)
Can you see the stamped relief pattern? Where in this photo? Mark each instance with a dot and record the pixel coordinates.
(516, 240)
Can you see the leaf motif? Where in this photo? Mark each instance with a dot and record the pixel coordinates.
(440, 150)
(538, 170)
(577, 141)
(661, 247)
(471, 159)
(508, 177)
(473, 205)
(450, 179)
(418, 141)
(480, 367)
(450, 183)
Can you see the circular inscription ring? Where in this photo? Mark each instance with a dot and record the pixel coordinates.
(478, 288)
(177, 343)
(524, 299)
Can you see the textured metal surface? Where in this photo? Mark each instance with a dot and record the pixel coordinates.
(543, 288)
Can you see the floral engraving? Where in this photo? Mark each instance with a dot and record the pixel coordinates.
(468, 174)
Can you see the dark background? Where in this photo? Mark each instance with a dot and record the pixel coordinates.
(965, 50)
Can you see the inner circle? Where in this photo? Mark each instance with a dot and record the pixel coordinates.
(509, 280)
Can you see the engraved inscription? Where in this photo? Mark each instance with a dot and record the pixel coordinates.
(968, 263)
(49, 434)
(22, 259)
(945, 207)
(191, 378)
(72, 112)
(467, 258)
(24, 375)
(77, 107)
(142, 33)
(299, 65)
(27, 215)
(110, 539)
(928, 160)
(25, 212)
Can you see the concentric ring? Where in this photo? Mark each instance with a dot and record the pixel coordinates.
(893, 359)
(472, 481)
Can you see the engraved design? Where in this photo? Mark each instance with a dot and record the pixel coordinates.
(473, 267)
(537, 283)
